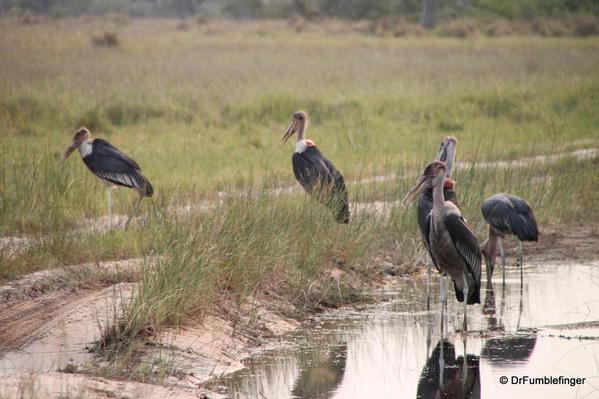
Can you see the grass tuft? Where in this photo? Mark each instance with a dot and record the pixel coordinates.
(106, 39)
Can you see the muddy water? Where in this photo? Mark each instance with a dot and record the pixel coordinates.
(549, 328)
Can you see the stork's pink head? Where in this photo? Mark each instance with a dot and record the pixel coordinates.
(298, 125)
(426, 180)
(433, 169)
(81, 135)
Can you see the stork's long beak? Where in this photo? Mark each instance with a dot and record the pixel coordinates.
(446, 155)
(290, 131)
(72, 147)
(442, 154)
(415, 190)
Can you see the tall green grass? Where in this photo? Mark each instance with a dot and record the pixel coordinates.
(242, 247)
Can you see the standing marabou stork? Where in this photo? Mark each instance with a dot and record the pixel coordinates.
(507, 214)
(110, 165)
(454, 247)
(425, 202)
(315, 172)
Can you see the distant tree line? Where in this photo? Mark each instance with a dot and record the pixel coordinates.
(347, 9)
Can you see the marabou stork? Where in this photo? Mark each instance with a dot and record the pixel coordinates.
(454, 247)
(507, 214)
(425, 201)
(110, 165)
(315, 172)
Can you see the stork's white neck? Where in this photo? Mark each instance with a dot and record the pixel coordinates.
(85, 148)
(301, 145)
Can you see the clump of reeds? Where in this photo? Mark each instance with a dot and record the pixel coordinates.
(460, 28)
(106, 39)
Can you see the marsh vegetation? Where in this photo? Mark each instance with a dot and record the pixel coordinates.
(203, 109)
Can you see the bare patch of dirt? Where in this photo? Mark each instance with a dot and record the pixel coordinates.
(14, 245)
(573, 243)
(30, 303)
(218, 343)
(52, 335)
(63, 385)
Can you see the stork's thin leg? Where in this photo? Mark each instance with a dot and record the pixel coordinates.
(502, 254)
(442, 287)
(445, 301)
(429, 325)
(465, 326)
(441, 304)
(521, 266)
(428, 285)
(464, 365)
(442, 298)
(521, 308)
(441, 362)
(502, 306)
(109, 195)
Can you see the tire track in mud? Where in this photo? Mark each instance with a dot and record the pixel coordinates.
(20, 322)
(61, 333)
(31, 304)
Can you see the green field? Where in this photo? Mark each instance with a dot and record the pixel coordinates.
(203, 108)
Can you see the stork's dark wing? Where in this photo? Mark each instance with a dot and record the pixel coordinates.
(424, 224)
(467, 245)
(339, 181)
(108, 163)
(315, 172)
(425, 205)
(312, 170)
(511, 214)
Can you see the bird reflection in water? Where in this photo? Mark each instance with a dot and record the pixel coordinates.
(321, 379)
(512, 351)
(506, 351)
(490, 309)
(445, 376)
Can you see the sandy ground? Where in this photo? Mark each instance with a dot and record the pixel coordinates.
(30, 304)
(63, 386)
(574, 243)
